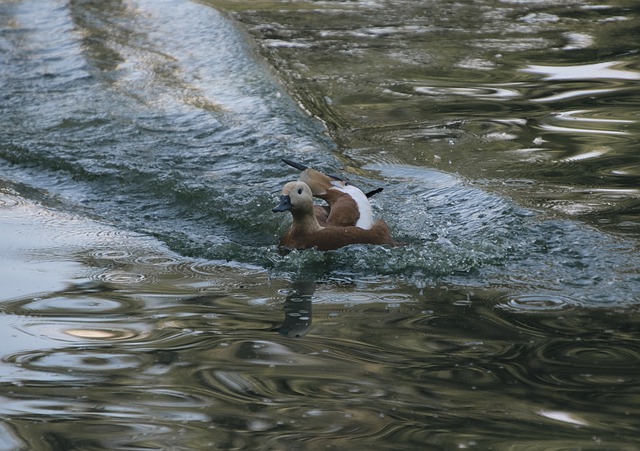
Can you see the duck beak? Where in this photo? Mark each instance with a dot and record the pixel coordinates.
(284, 205)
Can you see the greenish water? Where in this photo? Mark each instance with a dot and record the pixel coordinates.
(535, 99)
(146, 306)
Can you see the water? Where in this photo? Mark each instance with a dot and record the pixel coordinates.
(145, 304)
(535, 99)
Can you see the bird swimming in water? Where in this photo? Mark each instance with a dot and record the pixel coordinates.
(347, 204)
(347, 219)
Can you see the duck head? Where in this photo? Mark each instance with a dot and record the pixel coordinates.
(296, 198)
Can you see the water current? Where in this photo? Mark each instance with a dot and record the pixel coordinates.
(145, 304)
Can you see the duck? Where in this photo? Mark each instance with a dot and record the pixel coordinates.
(306, 231)
(347, 204)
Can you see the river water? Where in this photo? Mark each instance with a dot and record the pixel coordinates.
(145, 305)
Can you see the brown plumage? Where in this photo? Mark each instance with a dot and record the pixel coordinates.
(343, 209)
(306, 232)
(348, 205)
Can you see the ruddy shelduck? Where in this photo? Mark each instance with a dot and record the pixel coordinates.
(347, 204)
(306, 231)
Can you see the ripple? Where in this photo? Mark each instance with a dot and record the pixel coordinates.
(392, 300)
(593, 355)
(314, 393)
(137, 434)
(535, 303)
(9, 200)
(579, 116)
(337, 388)
(263, 352)
(112, 254)
(575, 130)
(203, 268)
(587, 154)
(121, 277)
(76, 331)
(576, 364)
(79, 361)
(162, 261)
(429, 177)
(67, 305)
(472, 376)
(233, 386)
(513, 44)
(481, 92)
(64, 305)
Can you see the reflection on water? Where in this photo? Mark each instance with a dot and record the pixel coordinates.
(438, 368)
(298, 314)
(476, 88)
(200, 355)
(144, 304)
(584, 72)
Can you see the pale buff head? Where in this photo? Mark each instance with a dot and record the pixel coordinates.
(296, 197)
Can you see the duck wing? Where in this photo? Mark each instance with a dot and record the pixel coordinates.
(348, 205)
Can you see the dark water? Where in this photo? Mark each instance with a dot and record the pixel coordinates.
(145, 305)
(536, 99)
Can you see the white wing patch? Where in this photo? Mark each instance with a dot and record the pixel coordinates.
(365, 221)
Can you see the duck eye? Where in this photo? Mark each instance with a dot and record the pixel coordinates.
(299, 190)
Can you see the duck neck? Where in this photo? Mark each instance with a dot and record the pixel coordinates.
(305, 221)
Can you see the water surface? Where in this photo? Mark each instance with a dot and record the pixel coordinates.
(146, 306)
(535, 99)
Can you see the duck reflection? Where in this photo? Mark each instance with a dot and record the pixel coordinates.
(297, 309)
